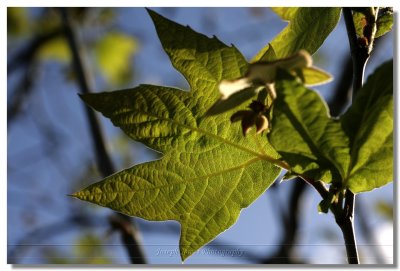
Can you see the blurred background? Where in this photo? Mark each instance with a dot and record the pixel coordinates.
(50, 146)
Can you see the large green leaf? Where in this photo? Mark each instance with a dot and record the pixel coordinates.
(354, 151)
(209, 171)
(307, 29)
(369, 125)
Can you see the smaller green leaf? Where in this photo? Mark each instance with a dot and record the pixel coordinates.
(307, 29)
(313, 76)
(362, 16)
(384, 23)
(325, 204)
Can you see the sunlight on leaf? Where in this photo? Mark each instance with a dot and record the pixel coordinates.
(356, 149)
(209, 171)
(307, 29)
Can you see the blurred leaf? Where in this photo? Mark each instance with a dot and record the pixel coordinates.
(17, 21)
(114, 56)
(307, 29)
(385, 209)
(55, 49)
(105, 15)
(91, 248)
(88, 248)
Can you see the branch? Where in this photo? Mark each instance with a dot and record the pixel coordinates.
(129, 237)
(360, 53)
(283, 254)
(29, 51)
(21, 92)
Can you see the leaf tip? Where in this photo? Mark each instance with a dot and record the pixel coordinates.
(87, 98)
(73, 195)
(77, 195)
(152, 14)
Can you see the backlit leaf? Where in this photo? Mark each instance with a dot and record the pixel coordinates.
(208, 171)
(307, 29)
(355, 151)
(369, 125)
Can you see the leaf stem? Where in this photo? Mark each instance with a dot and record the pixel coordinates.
(318, 185)
(127, 228)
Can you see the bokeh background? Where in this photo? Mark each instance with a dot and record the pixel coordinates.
(50, 151)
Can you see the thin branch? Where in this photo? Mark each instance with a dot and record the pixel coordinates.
(129, 237)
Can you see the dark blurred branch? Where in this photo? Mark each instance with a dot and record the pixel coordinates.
(37, 236)
(342, 89)
(21, 92)
(26, 54)
(284, 253)
(129, 237)
(368, 233)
